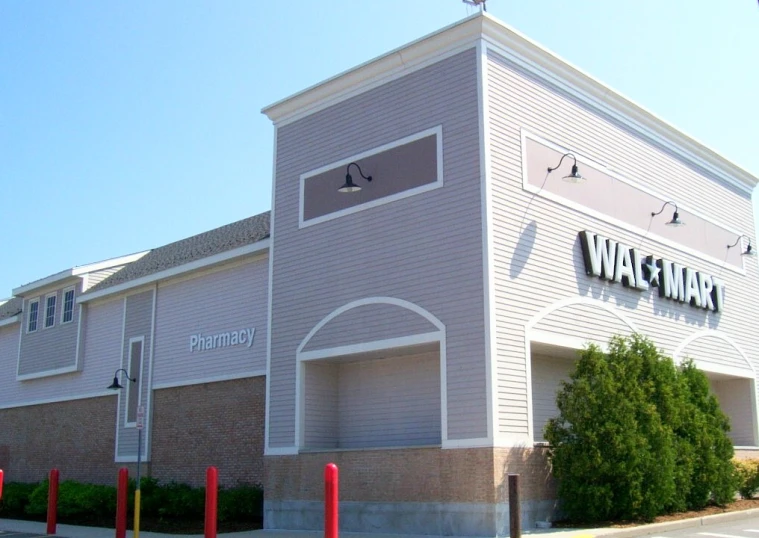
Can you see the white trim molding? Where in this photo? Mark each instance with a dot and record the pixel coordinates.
(58, 399)
(627, 227)
(130, 285)
(10, 321)
(210, 379)
(437, 131)
(303, 357)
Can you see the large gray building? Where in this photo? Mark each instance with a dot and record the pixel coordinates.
(413, 330)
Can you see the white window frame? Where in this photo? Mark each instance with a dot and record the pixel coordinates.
(133, 375)
(29, 316)
(63, 304)
(55, 303)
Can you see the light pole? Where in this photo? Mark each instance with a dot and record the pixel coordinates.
(140, 424)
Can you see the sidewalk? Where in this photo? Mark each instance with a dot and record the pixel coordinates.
(73, 531)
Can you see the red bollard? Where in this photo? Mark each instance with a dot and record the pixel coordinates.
(1, 483)
(52, 502)
(122, 494)
(330, 501)
(212, 499)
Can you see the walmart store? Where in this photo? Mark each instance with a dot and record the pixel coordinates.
(450, 223)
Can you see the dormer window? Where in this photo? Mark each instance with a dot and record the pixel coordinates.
(34, 312)
(68, 305)
(50, 310)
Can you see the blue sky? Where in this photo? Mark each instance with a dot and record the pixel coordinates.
(128, 125)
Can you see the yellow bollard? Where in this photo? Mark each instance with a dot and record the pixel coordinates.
(136, 532)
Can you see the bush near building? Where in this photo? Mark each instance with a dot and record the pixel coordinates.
(638, 437)
(164, 507)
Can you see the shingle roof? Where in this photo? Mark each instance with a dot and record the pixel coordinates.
(235, 235)
(10, 308)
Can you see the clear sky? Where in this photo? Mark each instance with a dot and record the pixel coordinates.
(127, 125)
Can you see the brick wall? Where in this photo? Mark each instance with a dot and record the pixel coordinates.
(220, 424)
(406, 475)
(536, 483)
(76, 437)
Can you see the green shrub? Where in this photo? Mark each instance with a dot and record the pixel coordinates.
(637, 437)
(37, 505)
(241, 503)
(747, 474)
(15, 499)
(182, 501)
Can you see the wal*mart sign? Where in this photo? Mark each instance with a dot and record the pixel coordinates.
(201, 342)
(616, 262)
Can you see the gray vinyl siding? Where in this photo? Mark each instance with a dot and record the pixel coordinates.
(231, 298)
(97, 277)
(538, 260)
(390, 402)
(584, 321)
(138, 315)
(547, 375)
(101, 356)
(425, 249)
(710, 352)
(734, 397)
(321, 411)
(8, 362)
(367, 323)
(50, 348)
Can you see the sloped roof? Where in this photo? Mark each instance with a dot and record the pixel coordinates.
(10, 308)
(228, 237)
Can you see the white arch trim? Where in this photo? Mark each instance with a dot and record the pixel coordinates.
(303, 357)
(368, 301)
(570, 301)
(676, 355)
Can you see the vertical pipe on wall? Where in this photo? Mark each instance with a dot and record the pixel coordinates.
(52, 502)
(122, 492)
(330, 501)
(515, 515)
(212, 497)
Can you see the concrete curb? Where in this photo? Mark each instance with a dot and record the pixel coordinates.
(658, 528)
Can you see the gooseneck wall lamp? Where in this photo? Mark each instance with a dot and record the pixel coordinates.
(749, 251)
(572, 177)
(116, 385)
(675, 216)
(349, 185)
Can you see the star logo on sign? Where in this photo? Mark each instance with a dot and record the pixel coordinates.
(653, 273)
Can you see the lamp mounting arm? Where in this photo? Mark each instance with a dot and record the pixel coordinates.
(739, 240)
(361, 173)
(665, 205)
(116, 374)
(574, 164)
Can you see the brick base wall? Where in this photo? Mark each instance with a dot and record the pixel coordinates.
(76, 437)
(220, 424)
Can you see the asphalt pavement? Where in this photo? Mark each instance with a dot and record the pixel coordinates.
(744, 524)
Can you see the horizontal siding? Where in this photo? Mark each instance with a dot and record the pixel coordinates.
(709, 353)
(426, 249)
(101, 357)
(735, 400)
(389, 402)
(321, 398)
(537, 256)
(368, 324)
(138, 321)
(547, 375)
(49, 348)
(230, 299)
(583, 321)
(97, 277)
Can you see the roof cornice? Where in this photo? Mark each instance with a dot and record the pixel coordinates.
(533, 58)
(10, 321)
(203, 263)
(75, 272)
